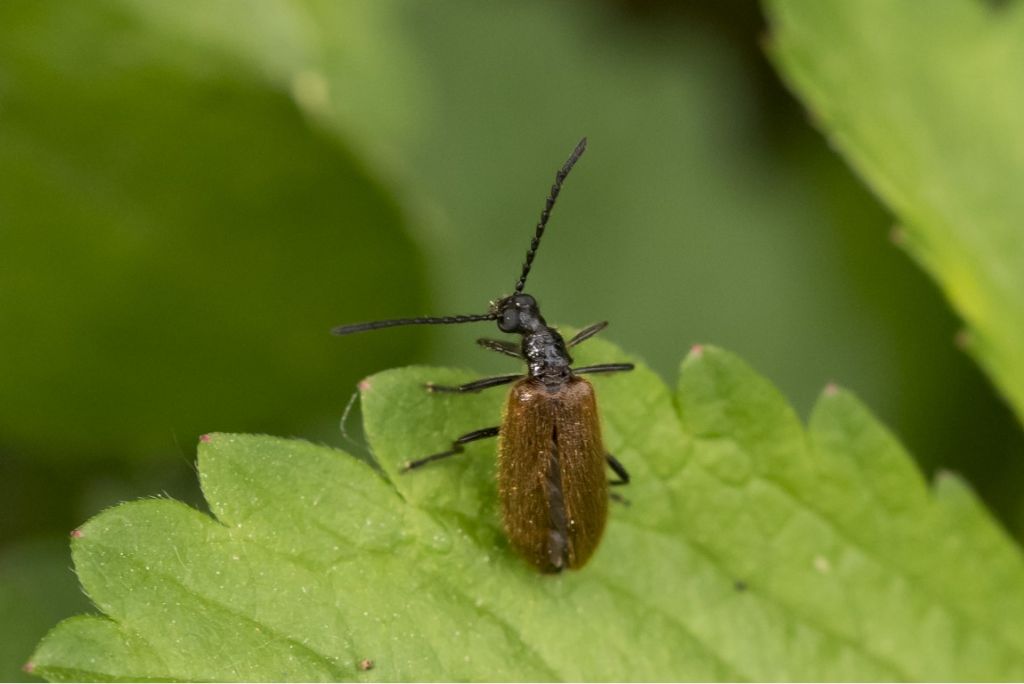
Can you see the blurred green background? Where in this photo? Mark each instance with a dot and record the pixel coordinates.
(193, 193)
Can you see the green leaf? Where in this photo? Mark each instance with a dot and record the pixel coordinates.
(925, 101)
(752, 548)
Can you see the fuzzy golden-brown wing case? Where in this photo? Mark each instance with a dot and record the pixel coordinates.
(551, 479)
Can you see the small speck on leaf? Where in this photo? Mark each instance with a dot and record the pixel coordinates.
(898, 236)
(962, 339)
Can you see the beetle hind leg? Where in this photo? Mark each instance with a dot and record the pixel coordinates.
(457, 447)
(623, 475)
(619, 469)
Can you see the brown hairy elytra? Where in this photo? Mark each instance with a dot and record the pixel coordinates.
(551, 459)
(550, 449)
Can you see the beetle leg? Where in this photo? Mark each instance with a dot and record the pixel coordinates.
(619, 469)
(501, 346)
(476, 385)
(586, 333)
(604, 368)
(483, 433)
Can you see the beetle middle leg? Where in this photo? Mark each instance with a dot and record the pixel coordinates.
(604, 368)
(476, 385)
(457, 447)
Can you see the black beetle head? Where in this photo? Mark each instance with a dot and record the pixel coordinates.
(517, 314)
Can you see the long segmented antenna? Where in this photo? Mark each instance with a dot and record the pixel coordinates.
(427, 320)
(548, 205)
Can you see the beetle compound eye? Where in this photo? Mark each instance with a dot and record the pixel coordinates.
(509, 320)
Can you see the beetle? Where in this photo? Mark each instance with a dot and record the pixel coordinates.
(551, 460)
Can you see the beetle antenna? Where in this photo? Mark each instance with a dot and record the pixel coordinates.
(548, 205)
(428, 320)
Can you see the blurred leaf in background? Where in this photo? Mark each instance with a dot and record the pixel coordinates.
(178, 240)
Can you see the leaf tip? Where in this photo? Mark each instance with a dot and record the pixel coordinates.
(76, 533)
(950, 486)
(364, 385)
(311, 91)
(29, 667)
(831, 394)
(366, 664)
(945, 478)
(210, 437)
(696, 351)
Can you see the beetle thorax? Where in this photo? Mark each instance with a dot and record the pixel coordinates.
(547, 356)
